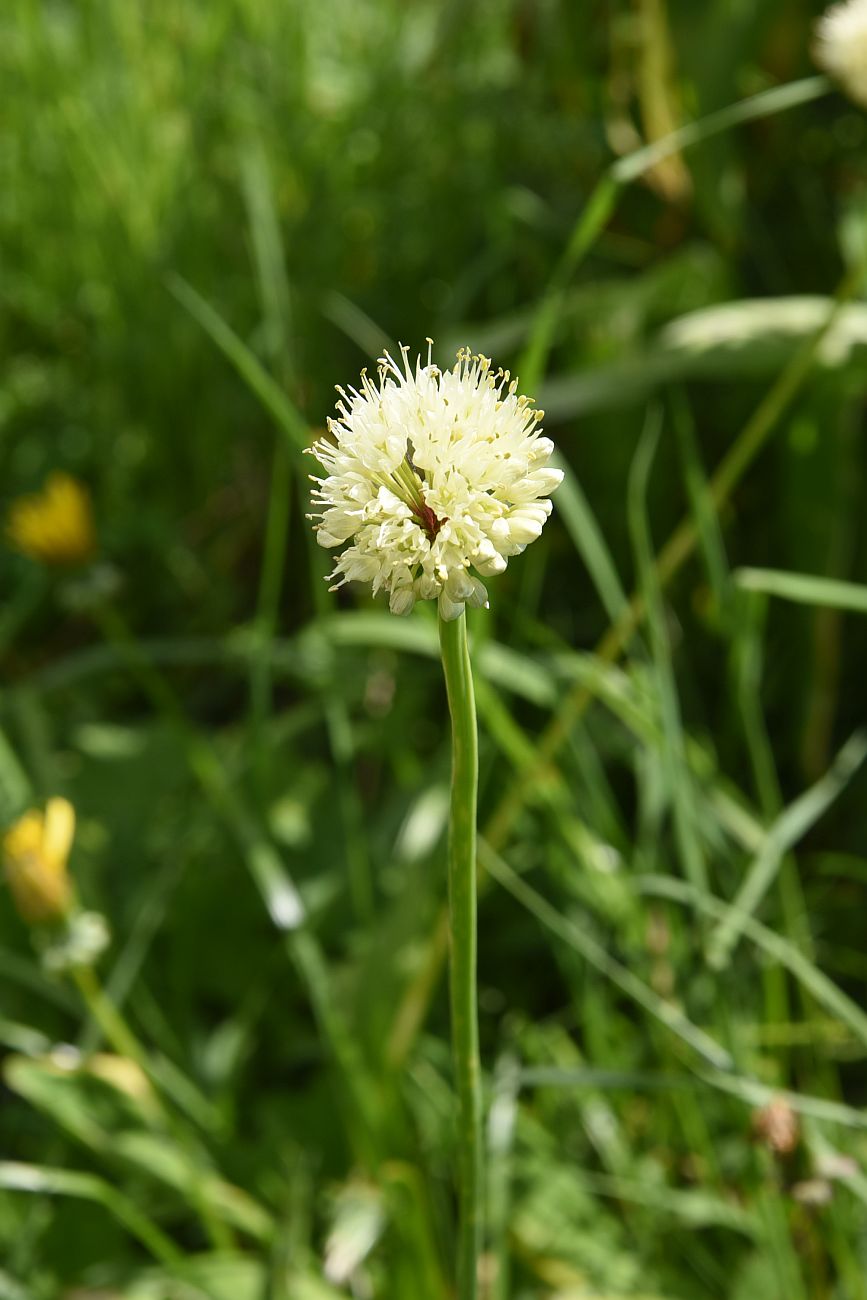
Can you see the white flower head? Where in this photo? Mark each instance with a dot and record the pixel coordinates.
(433, 477)
(841, 47)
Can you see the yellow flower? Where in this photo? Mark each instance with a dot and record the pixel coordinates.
(55, 525)
(35, 851)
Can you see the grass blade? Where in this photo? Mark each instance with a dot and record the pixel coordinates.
(791, 825)
(777, 100)
(673, 750)
(804, 588)
(824, 990)
(589, 541)
(41, 1180)
(593, 952)
(246, 363)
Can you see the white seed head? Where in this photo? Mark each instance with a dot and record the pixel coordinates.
(432, 475)
(841, 47)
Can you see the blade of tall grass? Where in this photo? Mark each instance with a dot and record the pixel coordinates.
(754, 1093)
(591, 222)
(747, 671)
(679, 779)
(409, 1201)
(603, 200)
(569, 932)
(588, 539)
(38, 1179)
(169, 1082)
(161, 1117)
(789, 827)
(554, 1076)
(640, 298)
(269, 259)
(364, 332)
(804, 588)
(289, 420)
(167, 1163)
(751, 1092)
(824, 991)
(708, 529)
(24, 1039)
(62, 1094)
(273, 288)
(150, 911)
(229, 652)
(779, 99)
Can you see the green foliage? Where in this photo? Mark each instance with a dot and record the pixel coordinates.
(209, 215)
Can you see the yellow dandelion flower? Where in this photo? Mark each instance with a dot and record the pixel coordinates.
(36, 851)
(54, 526)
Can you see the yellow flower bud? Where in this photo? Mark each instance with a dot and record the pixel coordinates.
(35, 851)
(54, 526)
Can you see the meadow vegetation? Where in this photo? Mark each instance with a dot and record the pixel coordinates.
(210, 213)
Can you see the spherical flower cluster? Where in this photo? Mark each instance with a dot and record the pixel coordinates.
(841, 46)
(434, 477)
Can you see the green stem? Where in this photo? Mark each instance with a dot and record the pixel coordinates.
(112, 1024)
(462, 927)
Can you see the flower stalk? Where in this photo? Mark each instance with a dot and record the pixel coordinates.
(433, 480)
(463, 942)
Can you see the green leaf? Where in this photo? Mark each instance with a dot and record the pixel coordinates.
(16, 1176)
(789, 827)
(804, 588)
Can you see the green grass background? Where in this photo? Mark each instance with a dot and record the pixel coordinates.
(210, 213)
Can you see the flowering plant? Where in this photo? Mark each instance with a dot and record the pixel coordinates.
(433, 477)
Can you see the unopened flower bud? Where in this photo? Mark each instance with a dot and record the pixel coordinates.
(36, 851)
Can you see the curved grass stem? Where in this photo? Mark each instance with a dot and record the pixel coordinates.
(122, 1039)
(462, 934)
